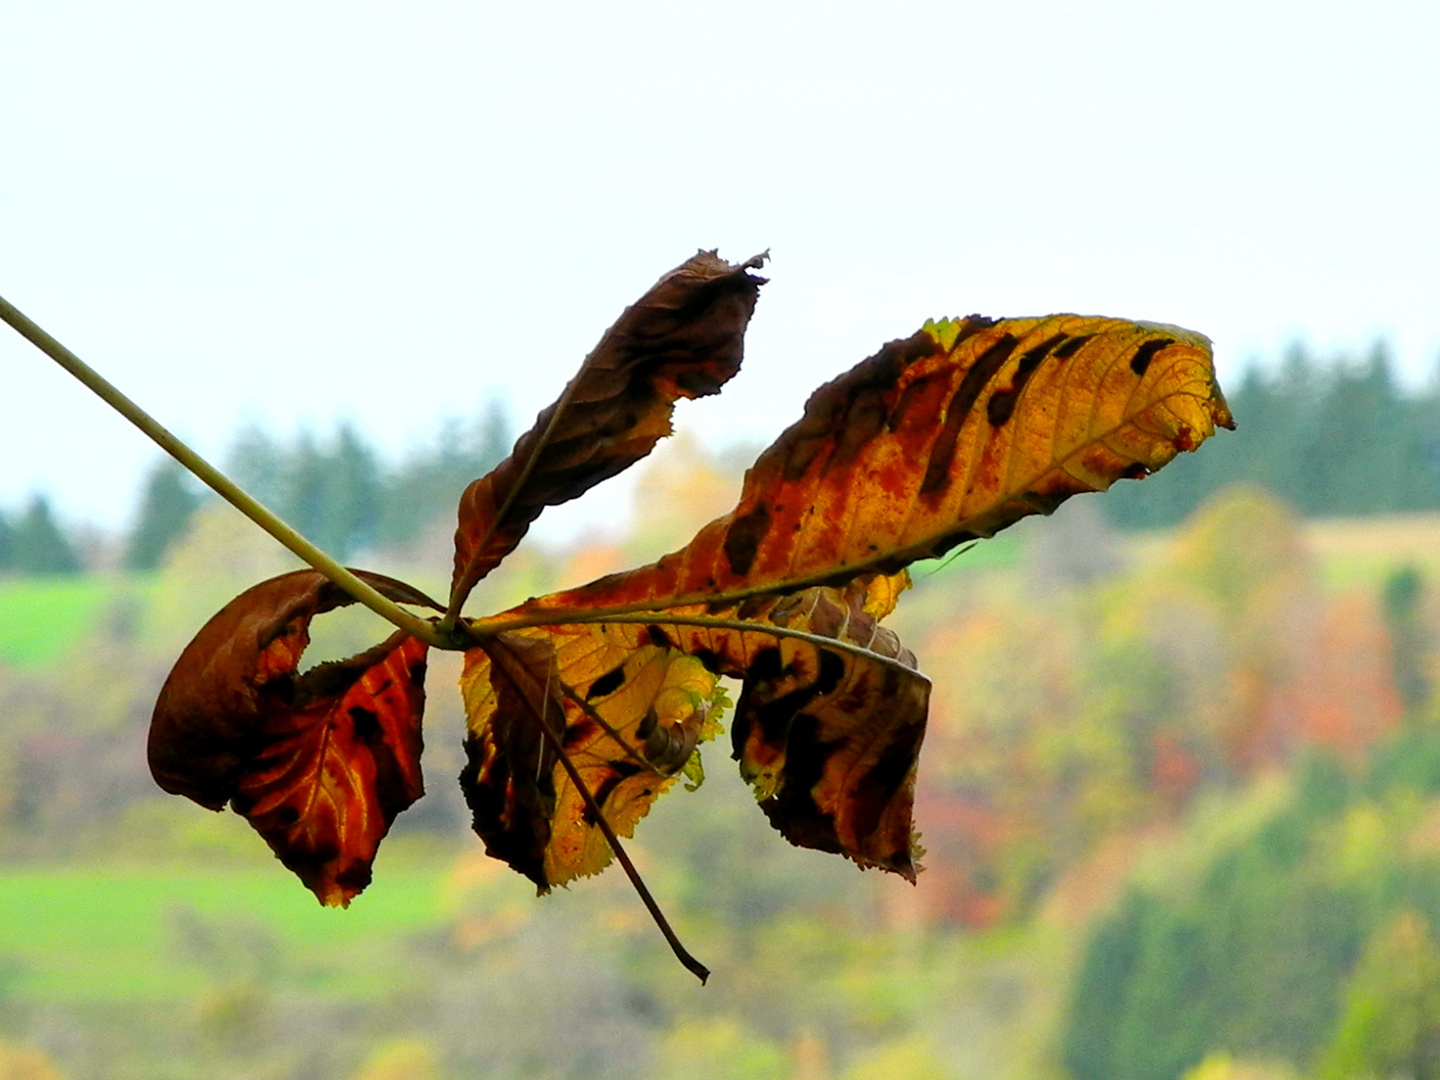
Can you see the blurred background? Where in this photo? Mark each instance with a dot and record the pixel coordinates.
(1181, 790)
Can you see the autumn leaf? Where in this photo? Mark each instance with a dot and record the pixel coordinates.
(320, 763)
(682, 339)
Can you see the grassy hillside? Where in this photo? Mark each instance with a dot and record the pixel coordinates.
(40, 618)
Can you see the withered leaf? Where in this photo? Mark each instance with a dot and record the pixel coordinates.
(320, 763)
(683, 339)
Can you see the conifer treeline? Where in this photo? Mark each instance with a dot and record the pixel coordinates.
(336, 491)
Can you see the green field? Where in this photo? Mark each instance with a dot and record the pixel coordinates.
(41, 618)
(74, 934)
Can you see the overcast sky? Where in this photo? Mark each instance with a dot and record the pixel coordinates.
(297, 213)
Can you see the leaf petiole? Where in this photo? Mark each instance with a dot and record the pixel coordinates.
(663, 618)
(222, 485)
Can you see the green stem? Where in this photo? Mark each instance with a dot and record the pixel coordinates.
(226, 488)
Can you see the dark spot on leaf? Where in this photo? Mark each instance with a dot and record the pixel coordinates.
(766, 665)
(367, 725)
(832, 670)
(620, 771)
(774, 717)
(814, 435)
(753, 607)
(744, 537)
(1030, 358)
(865, 419)
(310, 862)
(878, 785)
(801, 455)
(606, 684)
(1137, 471)
(1140, 362)
(288, 815)
(1000, 406)
(511, 809)
(1047, 503)
(792, 809)
(942, 453)
(911, 399)
(710, 658)
(1071, 347)
(700, 381)
(658, 637)
(417, 673)
(580, 732)
(242, 805)
(917, 347)
(1002, 403)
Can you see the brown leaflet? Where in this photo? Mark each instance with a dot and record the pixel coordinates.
(320, 763)
(947, 436)
(828, 736)
(682, 339)
(628, 717)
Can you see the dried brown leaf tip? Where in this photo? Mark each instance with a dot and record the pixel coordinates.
(320, 763)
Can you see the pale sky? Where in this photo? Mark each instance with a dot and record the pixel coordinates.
(297, 213)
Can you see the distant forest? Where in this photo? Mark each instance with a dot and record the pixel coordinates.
(337, 491)
(1334, 438)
